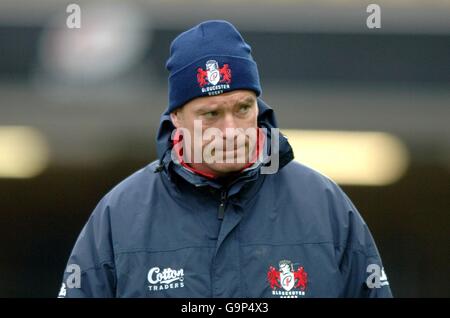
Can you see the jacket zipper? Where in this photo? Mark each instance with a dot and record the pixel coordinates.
(223, 201)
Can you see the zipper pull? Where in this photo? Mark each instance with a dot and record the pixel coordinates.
(223, 198)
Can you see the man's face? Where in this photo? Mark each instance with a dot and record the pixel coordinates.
(237, 110)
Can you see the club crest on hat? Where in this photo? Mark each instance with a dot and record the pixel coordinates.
(214, 75)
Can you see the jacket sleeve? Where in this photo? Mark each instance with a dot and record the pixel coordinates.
(360, 263)
(90, 271)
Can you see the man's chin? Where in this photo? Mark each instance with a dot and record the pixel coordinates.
(224, 169)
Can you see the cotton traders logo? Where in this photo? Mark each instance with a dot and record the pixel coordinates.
(285, 282)
(214, 80)
(165, 279)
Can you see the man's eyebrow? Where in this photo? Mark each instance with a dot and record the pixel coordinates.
(206, 108)
(247, 100)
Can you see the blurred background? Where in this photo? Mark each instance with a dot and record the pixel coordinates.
(370, 108)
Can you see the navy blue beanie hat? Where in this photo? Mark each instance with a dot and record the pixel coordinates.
(210, 59)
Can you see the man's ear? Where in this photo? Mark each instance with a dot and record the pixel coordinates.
(176, 117)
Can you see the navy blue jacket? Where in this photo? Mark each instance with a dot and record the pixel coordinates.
(290, 234)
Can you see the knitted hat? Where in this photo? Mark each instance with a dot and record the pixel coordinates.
(210, 59)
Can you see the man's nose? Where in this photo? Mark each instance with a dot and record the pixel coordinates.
(228, 122)
(229, 126)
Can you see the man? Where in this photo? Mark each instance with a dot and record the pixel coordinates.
(189, 226)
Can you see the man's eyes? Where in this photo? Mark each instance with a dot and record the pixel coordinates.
(211, 114)
(244, 108)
